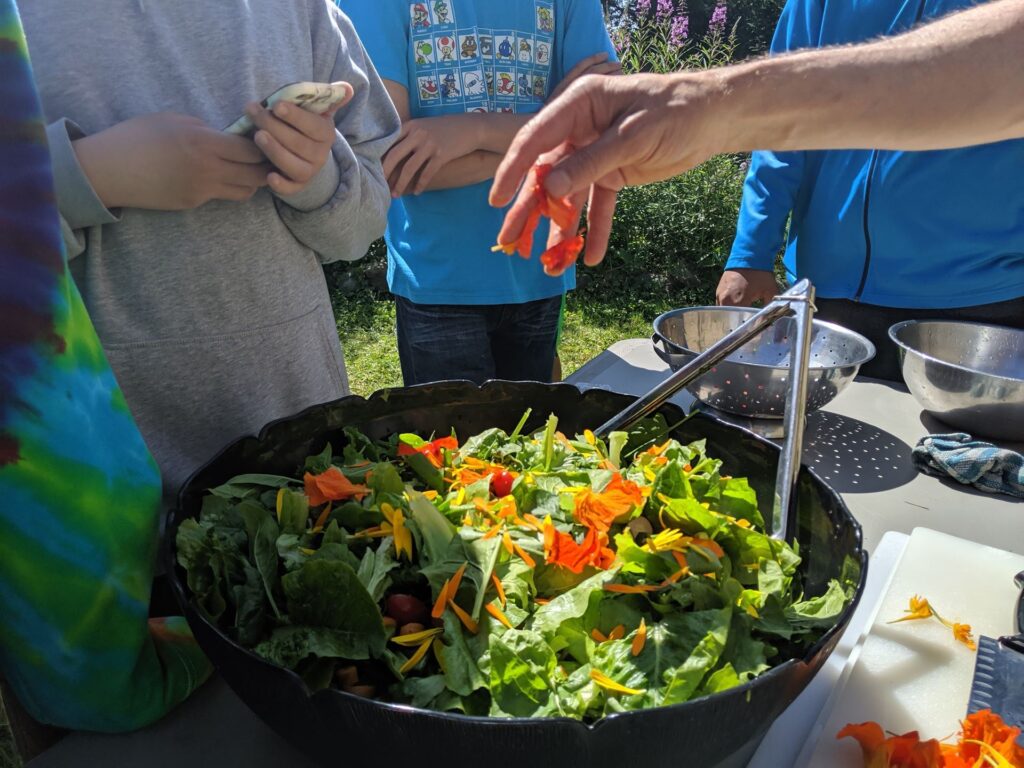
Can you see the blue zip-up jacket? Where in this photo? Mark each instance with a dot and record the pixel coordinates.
(936, 229)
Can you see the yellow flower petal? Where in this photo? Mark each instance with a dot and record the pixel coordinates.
(610, 685)
(417, 657)
(416, 637)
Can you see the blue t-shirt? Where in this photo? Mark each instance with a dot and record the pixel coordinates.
(455, 57)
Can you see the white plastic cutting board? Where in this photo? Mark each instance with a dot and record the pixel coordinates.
(914, 675)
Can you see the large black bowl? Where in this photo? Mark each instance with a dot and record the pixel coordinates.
(337, 728)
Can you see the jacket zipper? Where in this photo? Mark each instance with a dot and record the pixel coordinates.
(867, 196)
(866, 222)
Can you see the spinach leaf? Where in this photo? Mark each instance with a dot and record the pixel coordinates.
(818, 612)
(246, 486)
(739, 500)
(250, 599)
(319, 463)
(570, 605)
(292, 511)
(461, 671)
(384, 478)
(435, 532)
(522, 666)
(679, 651)
(421, 691)
(374, 569)
(328, 594)
(288, 646)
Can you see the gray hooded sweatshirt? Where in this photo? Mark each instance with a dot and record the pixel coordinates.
(216, 320)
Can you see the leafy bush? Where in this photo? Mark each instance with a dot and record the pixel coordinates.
(670, 240)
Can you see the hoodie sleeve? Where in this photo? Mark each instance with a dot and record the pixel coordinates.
(770, 189)
(344, 208)
(77, 202)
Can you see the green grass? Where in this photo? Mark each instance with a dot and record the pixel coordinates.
(366, 325)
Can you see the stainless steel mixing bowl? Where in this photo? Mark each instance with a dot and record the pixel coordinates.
(969, 375)
(753, 380)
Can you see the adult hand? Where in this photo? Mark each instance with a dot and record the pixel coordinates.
(619, 130)
(296, 141)
(744, 287)
(424, 147)
(169, 162)
(597, 64)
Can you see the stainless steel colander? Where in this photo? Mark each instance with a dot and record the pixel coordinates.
(752, 381)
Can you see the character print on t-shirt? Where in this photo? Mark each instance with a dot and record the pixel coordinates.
(420, 16)
(460, 65)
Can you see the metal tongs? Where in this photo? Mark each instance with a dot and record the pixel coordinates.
(797, 301)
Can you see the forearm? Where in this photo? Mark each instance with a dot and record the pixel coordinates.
(467, 170)
(955, 82)
(79, 201)
(497, 130)
(465, 134)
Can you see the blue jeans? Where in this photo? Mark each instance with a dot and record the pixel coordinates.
(492, 341)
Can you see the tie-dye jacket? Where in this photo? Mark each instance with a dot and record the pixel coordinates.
(79, 492)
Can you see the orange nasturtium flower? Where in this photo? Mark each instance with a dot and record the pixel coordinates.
(985, 742)
(905, 751)
(563, 213)
(561, 549)
(332, 485)
(431, 450)
(920, 608)
(598, 510)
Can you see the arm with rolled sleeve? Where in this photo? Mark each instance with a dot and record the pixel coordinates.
(771, 186)
(79, 205)
(344, 208)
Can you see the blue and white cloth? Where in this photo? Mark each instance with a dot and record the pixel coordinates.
(971, 462)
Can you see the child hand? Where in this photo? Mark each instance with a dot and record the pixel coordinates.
(423, 148)
(597, 64)
(169, 162)
(297, 142)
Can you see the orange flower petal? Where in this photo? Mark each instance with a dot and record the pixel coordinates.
(600, 510)
(500, 589)
(442, 600)
(496, 613)
(465, 618)
(456, 580)
(530, 562)
(559, 257)
(618, 632)
(331, 485)
(639, 639)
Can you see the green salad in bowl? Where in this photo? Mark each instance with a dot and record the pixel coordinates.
(506, 574)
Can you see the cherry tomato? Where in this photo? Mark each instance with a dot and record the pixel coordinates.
(406, 609)
(501, 484)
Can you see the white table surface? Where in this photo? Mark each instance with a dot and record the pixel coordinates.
(860, 444)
